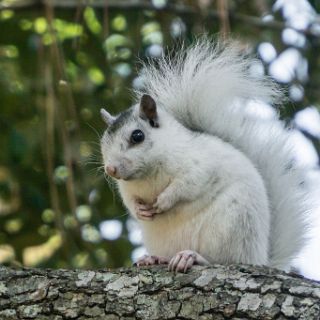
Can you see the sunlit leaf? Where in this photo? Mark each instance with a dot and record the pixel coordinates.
(83, 213)
(44, 230)
(6, 14)
(69, 221)
(9, 51)
(47, 38)
(25, 24)
(48, 216)
(96, 75)
(61, 174)
(117, 46)
(13, 225)
(34, 255)
(7, 253)
(80, 260)
(150, 27)
(67, 30)
(119, 23)
(151, 33)
(91, 20)
(155, 37)
(90, 234)
(40, 25)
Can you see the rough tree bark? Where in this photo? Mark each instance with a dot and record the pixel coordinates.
(217, 292)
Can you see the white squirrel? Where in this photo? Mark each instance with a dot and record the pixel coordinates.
(208, 181)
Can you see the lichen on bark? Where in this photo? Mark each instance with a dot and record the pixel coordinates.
(216, 292)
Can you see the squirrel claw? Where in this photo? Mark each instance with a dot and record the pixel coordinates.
(147, 260)
(144, 207)
(145, 215)
(185, 259)
(182, 261)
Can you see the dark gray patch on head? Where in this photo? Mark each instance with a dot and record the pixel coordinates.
(120, 121)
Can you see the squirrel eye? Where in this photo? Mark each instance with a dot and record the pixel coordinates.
(137, 136)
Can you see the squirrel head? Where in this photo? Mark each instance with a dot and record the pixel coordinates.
(128, 143)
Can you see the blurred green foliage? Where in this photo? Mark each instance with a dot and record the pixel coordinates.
(58, 67)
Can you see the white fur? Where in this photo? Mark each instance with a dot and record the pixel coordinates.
(227, 193)
(207, 88)
(214, 199)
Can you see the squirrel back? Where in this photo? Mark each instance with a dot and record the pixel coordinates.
(208, 88)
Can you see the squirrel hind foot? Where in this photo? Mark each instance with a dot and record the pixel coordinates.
(185, 259)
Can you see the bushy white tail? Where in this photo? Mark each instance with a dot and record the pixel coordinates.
(207, 87)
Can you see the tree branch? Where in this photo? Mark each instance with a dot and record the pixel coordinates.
(215, 292)
(180, 9)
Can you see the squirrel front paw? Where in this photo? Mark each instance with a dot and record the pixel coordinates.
(144, 211)
(147, 260)
(163, 203)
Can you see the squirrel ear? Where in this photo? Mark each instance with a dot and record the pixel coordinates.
(148, 110)
(107, 117)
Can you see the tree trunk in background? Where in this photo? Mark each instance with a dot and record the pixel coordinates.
(217, 292)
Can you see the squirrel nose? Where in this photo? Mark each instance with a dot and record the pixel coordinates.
(111, 171)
